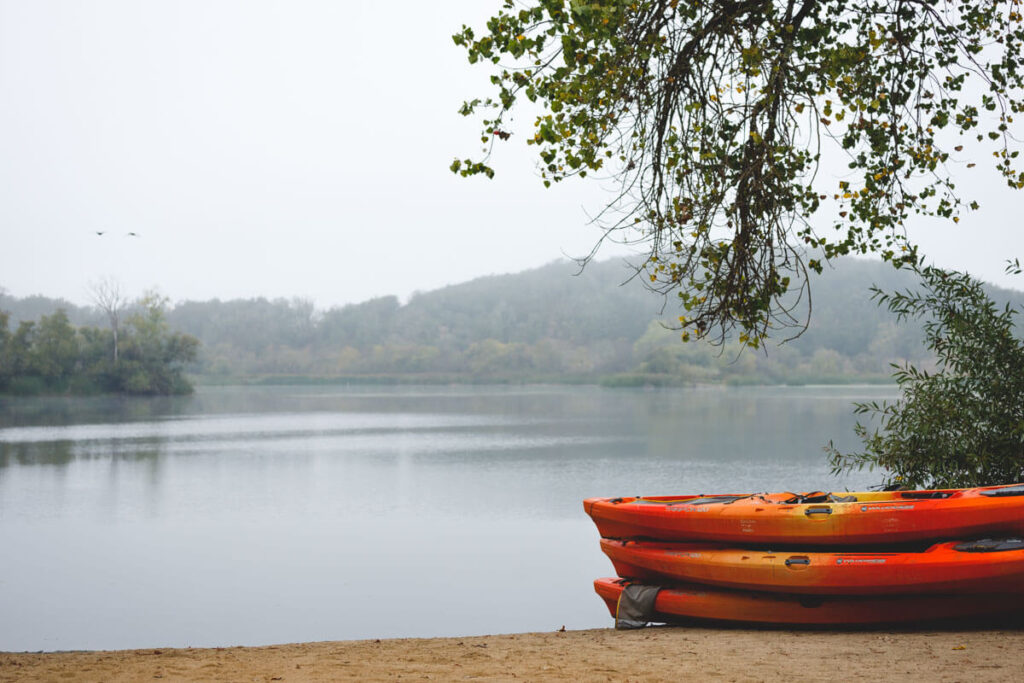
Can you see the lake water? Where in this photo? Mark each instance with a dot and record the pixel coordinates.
(249, 516)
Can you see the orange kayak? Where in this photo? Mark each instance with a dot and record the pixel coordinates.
(988, 566)
(815, 519)
(699, 602)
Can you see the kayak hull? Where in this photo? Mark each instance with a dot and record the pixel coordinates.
(855, 519)
(705, 603)
(941, 568)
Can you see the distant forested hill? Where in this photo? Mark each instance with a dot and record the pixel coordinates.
(545, 324)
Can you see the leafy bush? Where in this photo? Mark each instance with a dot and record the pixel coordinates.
(962, 425)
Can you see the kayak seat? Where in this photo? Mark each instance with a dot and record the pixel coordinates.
(818, 497)
(833, 498)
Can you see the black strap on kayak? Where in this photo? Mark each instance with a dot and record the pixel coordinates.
(636, 606)
(990, 545)
(817, 497)
(802, 498)
(1006, 491)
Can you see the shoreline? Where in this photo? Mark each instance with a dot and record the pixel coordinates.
(623, 380)
(981, 652)
(412, 382)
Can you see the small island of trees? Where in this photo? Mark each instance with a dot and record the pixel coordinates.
(142, 356)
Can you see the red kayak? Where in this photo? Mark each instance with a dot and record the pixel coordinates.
(699, 602)
(815, 519)
(987, 566)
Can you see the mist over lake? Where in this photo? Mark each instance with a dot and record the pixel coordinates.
(245, 515)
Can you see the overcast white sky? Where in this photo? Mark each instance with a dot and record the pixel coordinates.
(293, 148)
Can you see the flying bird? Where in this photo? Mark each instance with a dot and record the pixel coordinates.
(132, 234)
(99, 232)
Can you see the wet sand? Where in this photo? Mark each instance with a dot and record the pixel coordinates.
(655, 654)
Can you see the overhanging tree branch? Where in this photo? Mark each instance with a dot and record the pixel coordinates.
(711, 115)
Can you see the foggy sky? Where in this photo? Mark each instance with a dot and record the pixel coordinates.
(290, 149)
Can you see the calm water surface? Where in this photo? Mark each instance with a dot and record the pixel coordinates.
(248, 516)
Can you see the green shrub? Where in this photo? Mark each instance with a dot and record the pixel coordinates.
(962, 425)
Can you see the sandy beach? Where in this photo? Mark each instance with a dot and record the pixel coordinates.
(654, 654)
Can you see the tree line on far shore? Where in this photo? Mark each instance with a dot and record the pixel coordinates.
(142, 356)
(541, 325)
(545, 325)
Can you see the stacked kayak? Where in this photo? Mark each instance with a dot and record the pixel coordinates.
(814, 558)
(697, 602)
(815, 519)
(954, 567)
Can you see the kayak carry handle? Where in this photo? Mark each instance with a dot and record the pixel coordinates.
(790, 561)
(818, 510)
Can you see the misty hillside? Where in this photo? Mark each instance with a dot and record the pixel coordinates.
(545, 324)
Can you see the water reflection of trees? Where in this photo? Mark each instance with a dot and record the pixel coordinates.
(52, 453)
(53, 411)
(63, 453)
